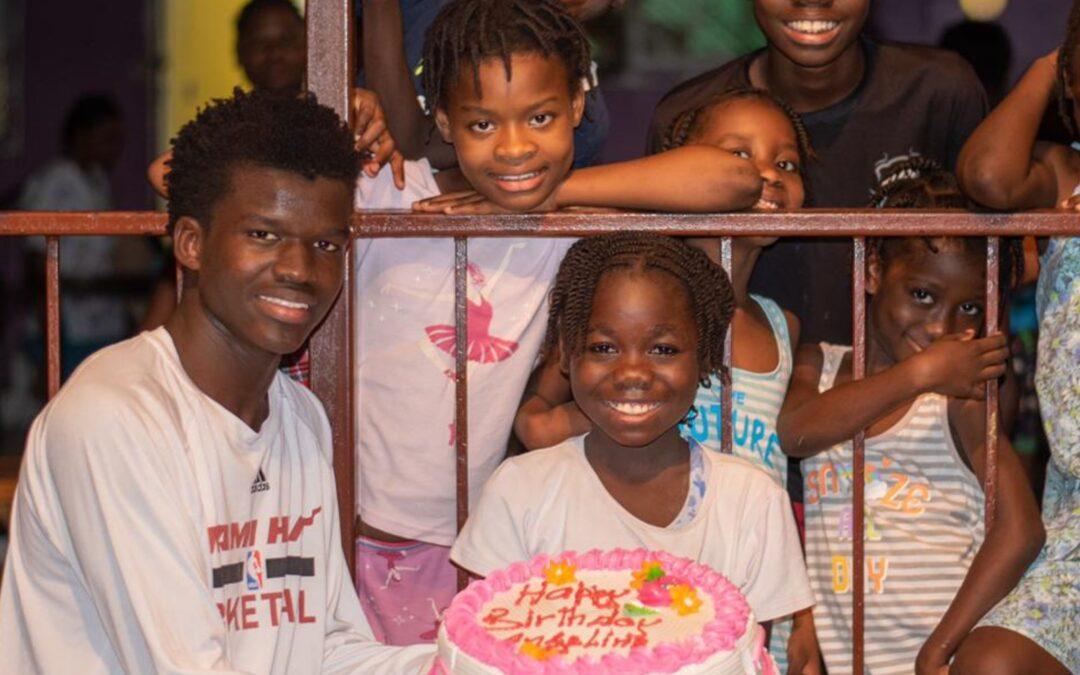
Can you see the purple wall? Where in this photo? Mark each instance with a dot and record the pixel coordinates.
(73, 47)
(1034, 26)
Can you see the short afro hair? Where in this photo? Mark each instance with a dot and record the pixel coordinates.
(249, 11)
(85, 114)
(295, 134)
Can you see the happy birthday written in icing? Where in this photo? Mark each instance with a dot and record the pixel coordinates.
(543, 608)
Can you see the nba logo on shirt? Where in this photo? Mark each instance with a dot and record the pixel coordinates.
(253, 570)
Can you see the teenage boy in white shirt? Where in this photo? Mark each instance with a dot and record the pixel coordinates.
(176, 510)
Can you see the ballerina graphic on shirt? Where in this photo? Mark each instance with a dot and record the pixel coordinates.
(482, 346)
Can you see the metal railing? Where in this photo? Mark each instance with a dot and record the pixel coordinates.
(330, 59)
(331, 346)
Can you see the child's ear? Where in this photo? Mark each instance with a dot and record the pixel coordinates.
(562, 355)
(577, 106)
(442, 121)
(189, 238)
(874, 272)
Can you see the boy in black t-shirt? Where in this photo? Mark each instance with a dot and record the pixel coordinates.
(866, 105)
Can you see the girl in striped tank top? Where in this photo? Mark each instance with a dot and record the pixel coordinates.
(753, 124)
(930, 570)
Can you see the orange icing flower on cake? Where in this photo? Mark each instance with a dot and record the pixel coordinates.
(535, 651)
(684, 599)
(650, 571)
(560, 573)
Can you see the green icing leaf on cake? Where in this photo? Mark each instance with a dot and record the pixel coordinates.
(630, 609)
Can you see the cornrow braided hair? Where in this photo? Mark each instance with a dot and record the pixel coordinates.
(921, 183)
(1065, 69)
(466, 32)
(706, 284)
(292, 133)
(691, 122)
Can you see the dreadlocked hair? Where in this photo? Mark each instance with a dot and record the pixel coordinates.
(1065, 69)
(295, 134)
(921, 183)
(466, 32)
(686, 127)
(712, 300)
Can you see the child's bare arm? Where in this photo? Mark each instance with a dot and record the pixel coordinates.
(548, 415)
(693, 178)
(953, 365)
(1009, 547)
(1001, 166)
(387, 72)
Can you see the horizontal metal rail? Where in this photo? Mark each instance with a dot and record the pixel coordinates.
(333, 384)
(806, 223)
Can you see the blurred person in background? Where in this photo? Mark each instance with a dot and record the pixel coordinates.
(271, 45)
(78, 180)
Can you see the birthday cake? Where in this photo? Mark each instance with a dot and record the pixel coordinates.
(602, 612)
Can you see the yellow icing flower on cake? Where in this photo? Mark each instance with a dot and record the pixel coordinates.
(684, 599)
(650, 571)
(560, 573)
(535, 651)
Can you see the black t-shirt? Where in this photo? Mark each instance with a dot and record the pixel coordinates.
(913, 100)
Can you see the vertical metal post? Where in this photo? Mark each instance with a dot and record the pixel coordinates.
(858, 372)
(461, 386)
(993, 249)
(52, 314)
(726, 419)
(329, 76)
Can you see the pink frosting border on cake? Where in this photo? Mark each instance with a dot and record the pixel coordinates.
(720, 634)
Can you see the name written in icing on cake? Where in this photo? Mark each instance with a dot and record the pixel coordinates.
(583, 606)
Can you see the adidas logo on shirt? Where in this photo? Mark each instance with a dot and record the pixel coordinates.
(260, 484)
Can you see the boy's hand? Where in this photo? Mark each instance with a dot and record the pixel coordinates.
(468, 202)
(1072, 203)
(958, 365)
(373, 137)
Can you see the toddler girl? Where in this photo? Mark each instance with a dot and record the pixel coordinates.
(929, 573)
(637, 322)
(1037, 627)
(754, 125)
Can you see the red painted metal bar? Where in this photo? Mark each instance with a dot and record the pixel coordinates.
(461, 386)
(52, 314)
(858, 371)
(993, 260)
(329, 76)
(812, 222)
(726, 393)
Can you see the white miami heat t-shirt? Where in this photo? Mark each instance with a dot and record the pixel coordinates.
(155, 532)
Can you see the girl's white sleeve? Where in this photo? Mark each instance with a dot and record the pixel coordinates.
(776, 581)
(494, 534)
